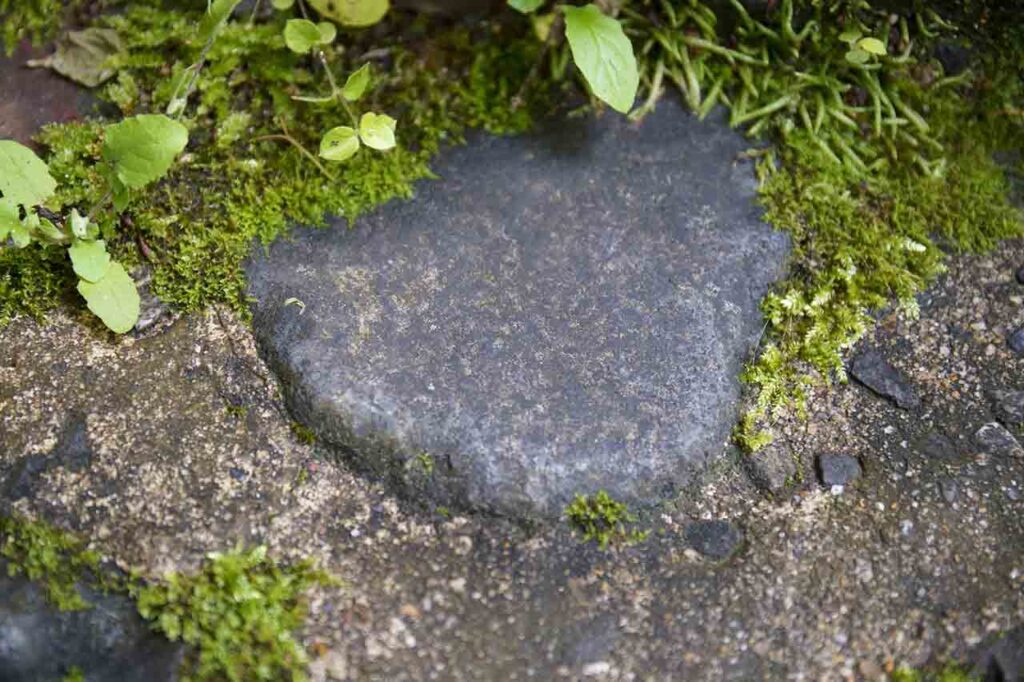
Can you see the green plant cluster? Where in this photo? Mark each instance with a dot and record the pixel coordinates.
(244, 178)
(879, 160)
(54, 559)
(34, 20)
(600, 518)
(239, 612)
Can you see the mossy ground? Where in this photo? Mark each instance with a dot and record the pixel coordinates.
(239, 613)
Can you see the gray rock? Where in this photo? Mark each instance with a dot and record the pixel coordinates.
(771, 469)
(107, 642)
(1016, 340)
(1009, 407)
(838, 469)
(995, 440)
(563, 312)
(1003, 661)
(714, 539)
(871, 369)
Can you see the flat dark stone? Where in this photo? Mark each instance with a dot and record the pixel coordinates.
(838, 469)
(870, 368)
(109, 641)
(560, 313)
(714, 539)
(1003, 661)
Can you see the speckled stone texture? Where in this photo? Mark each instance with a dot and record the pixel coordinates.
(560, 313)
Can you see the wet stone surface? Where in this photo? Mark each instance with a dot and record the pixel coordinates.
(560, 313)
(108, 641)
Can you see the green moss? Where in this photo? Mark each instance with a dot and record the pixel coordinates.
(34, 20)
(50, 556)
(600, 518)
(950, 673)
(239, 612)
(303, 434)
(75, 674)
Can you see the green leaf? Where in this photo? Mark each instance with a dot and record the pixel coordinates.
(300, 35)
(377, 131)
(525, 6)
(282, 4)
(141, 149)
(856, 56)
(850, 35)
(21, 234)
(219, 12)
(82, 56)
(79, 224)
(603, 54)
(328, 32)
(355, 13)
(357, 83)
(89, 259)
(113, 298)
(339, 144)
(9, 218)
(51, 232)
(872, 46)
(24, 178)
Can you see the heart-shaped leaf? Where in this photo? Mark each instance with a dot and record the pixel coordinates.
(377, 131)
(113, 298)
(141, 149)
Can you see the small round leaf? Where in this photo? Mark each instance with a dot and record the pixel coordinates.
(328, 32)
(857, 56)
(339, 144)
(377, 131)
(282, 4)
(300, 35)
(872, 46)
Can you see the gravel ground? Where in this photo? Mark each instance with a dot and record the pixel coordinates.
(164, 447)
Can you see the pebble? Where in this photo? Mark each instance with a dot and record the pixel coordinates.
(1016, 341)
(838, 470)
(949, 489)
(874, 371)
(714, 539)
(1020, 275)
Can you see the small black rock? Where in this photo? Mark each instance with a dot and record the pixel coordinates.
(714, 539)
(1020, 275)
(838, 469)
(875, 372)
(1004, 659)
(1016, 341)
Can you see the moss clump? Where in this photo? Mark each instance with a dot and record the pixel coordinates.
(600, 518)
(950, 673)
(49, 556)
(239, 612)
(35, 20)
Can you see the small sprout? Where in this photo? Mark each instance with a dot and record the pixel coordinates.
(294, 301)
(356, 84)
